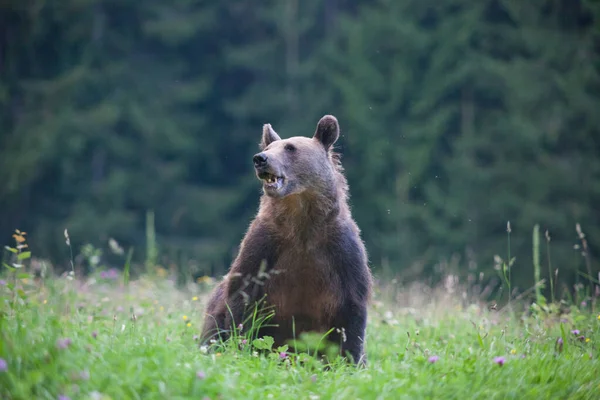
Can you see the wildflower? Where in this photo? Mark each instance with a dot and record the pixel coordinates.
(94, 334)
(63, 343)
(3, 283)
(45, 301)
(203, 349)
(283, 355)
(161, 308)
(63, 397)
(584, 303)
(513, 352)
(189, 324)
(200, 375)
(244, 341)
(161, 272)
(575, 332)
(240, 327)
(3, 365)
(95, 395)
(433, 359)
(218, 354)
(598, 317)
(587, 340)
(581, 338)
(111, 274)
(499, 360)
(185, 318)
(204, 279)
(559, 345)
(195, 298)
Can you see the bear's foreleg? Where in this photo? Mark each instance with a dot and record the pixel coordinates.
(352, 323)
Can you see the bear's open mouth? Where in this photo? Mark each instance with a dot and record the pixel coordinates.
(270, 181)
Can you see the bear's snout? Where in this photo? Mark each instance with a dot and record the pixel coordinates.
(260, 160)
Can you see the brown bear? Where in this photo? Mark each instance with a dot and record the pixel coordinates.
(314, 272)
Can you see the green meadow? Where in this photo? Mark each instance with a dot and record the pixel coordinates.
(109, 336)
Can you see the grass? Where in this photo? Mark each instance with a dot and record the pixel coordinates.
(110, 337)
(101, 339)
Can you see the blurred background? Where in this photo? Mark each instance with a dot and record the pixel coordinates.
(457, 117)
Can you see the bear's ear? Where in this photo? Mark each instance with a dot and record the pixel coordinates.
(268, 136)
(328, 131)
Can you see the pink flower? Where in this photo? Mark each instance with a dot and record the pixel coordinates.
(63, 343)
(282, 355)
(433, 359)
(111, 274)
(499, 360)
(200, 375)
(3, 365)
(559, 345)
(94, 334)
(575, 332)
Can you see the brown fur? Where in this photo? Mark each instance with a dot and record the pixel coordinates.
(316, 262)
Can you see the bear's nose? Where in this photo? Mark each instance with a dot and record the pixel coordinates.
(260, 160)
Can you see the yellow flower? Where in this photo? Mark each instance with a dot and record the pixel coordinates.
(195, 298)
(189, 324)
(45, 301)
(218, 354)
(204, 279)
(161, 308)
(161, 272)
(185, 318)
(598, 317)
(587, 340)
(513, 351)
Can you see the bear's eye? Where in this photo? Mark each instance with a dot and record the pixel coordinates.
(290, 147)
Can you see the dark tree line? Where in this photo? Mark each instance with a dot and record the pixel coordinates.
(456, 116)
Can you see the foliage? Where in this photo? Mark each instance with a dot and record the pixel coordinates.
(98, 339)
(456, 117)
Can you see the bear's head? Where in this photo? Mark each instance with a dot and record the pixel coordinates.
(298, 164)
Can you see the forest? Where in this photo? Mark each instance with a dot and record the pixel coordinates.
(465, 124)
